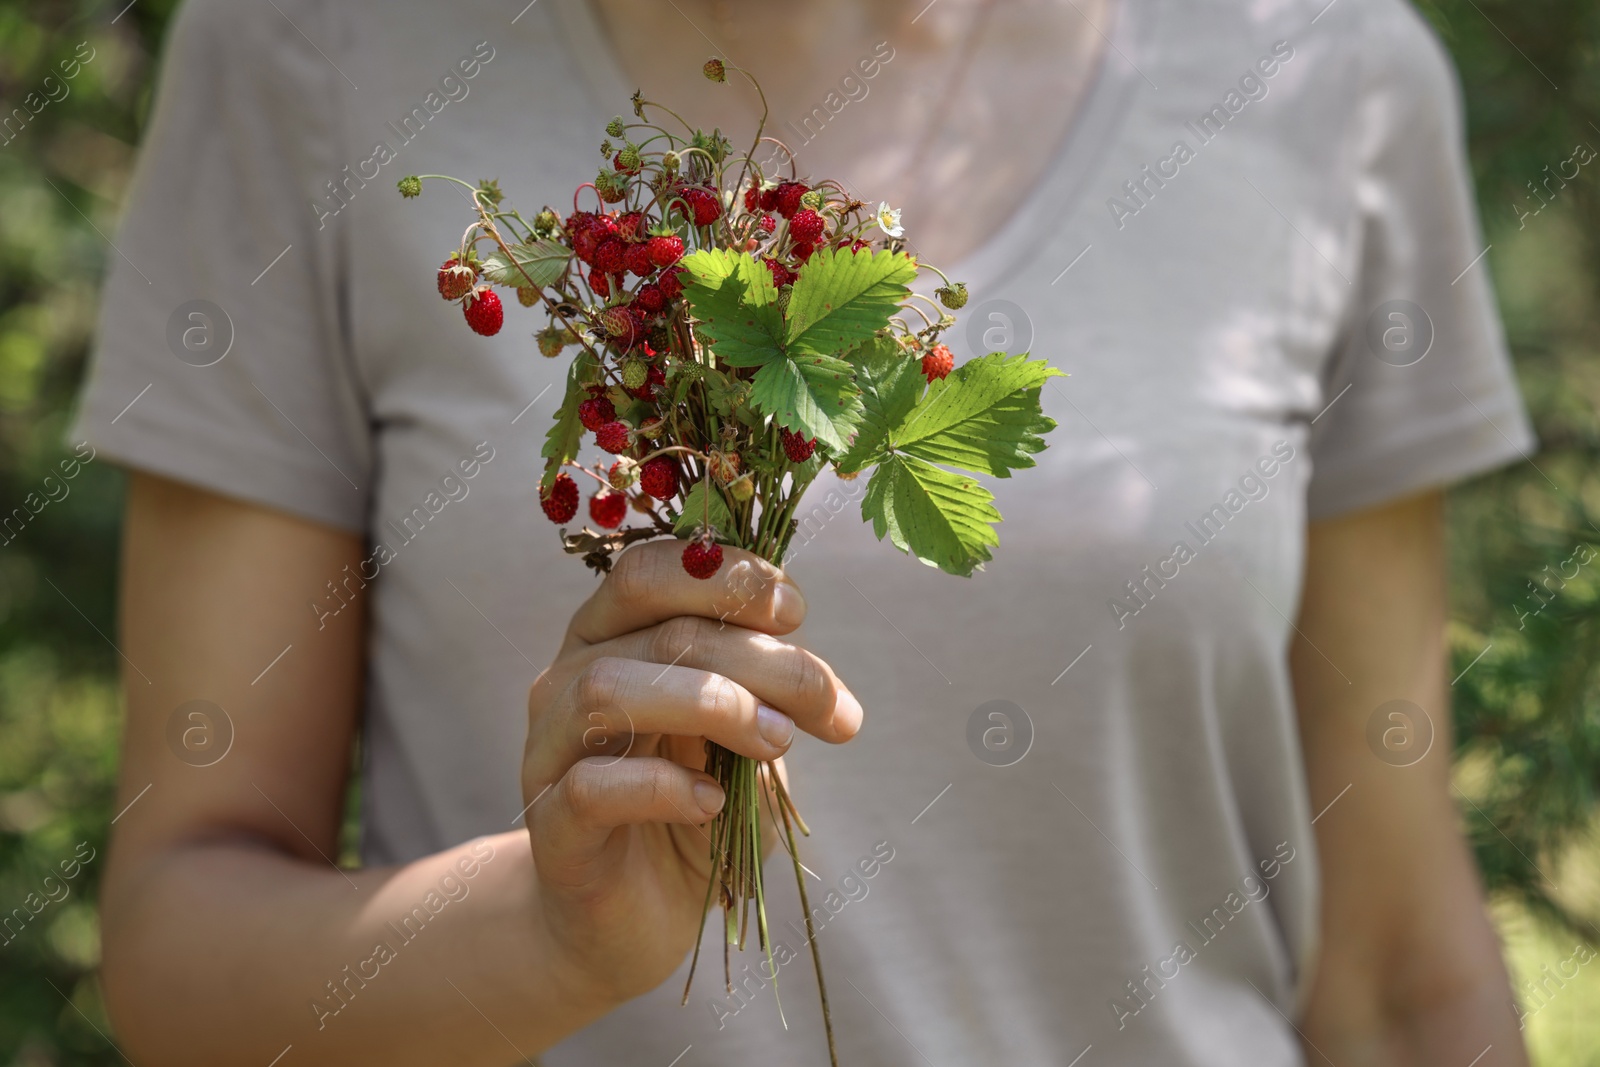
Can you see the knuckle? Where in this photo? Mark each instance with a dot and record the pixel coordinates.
(722, 699)
(809, 680)
(584, 785)
(674, 637)
(599, 686)
(634, 578)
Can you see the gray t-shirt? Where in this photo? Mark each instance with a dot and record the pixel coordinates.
(1256, 256)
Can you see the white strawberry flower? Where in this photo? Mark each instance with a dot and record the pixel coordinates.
(888, 220)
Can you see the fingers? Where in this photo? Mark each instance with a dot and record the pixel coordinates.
(612, 701)
(779, 674)
(570, 826)
(648, 585)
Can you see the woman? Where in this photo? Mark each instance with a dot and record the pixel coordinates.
(1116, 801)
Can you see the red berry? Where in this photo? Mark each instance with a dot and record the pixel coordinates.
(798, 448)
(704, 204)
(769, 198)
(608, 508)
(788, 199)
(456, 278)
(665, 249)
(671, 285)
(768, 224)
(937, 363)
(802, 251)
(650, 298)
(781, 275)
(599, 283)
(637, 259)
(609, 257)
(613, 437)
(596, 412)
(483, 311)
(628, 224)
(702, 560)
(659, 478)
(752, 197)
(806, 226)
(560, 503)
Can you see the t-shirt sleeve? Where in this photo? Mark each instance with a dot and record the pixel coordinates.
(220, 359)
(1420, 392)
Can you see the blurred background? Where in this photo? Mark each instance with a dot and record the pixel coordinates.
(1525, 548)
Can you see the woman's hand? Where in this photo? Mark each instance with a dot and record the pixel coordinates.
(654, 665)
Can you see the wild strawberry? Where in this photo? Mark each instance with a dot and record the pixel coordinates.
(742, 489)
(609, 256)
(802, 250)
(628, 225)
(527, 295)
(796, 447)
(806, 226)
(627, 161)
(937, 363)
(637, 259)
(616, 321)
(671, 285)
(596, 412)
(752, 197)
(702, 558)
(724, 466)
(611, 185)
(614, 437)
(659, 478)
(623, 473)
(953, 297)
(584, 243)
(456, 278)
(788, 199)
(552, 339)
(767, 224)
(704, 204)
(769, 198)
(654, 376)
(599, 283)
(483, 311)
(665, 249)
(781, 275)
(608, 508)
(560, 503)
(653, 427)
(650, 298)
(635, 372)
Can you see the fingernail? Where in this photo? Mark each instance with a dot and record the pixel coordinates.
(788, 606)
(709, 796)
(776, 728)
(847, 714)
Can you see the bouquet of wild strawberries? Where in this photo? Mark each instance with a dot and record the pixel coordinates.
(736, 332)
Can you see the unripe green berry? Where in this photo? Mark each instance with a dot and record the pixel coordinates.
(714, 70)
(410, 186)
(952, 296)
(616, 127)
(635, 373)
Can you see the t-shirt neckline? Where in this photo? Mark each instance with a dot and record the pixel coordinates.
(1040, 213)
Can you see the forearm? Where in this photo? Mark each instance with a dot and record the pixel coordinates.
(222, 954)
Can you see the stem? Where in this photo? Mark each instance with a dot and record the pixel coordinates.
(805, 906)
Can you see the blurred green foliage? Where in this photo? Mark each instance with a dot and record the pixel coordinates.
(1526, 635)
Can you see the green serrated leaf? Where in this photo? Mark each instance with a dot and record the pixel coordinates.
(694, 511)
(944, 519)
(811, 394)
(562, 440)
(735, 301)
(539, 263)
(841, 298)
(985, 417)
(891, 383)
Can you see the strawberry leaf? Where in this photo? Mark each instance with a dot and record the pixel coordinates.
(734, 299)
(944, 519)
(985, 417)
(694, 511)
(562, 440)
(891, 384)
(537, 264)
(841, 298)
(815, 395)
